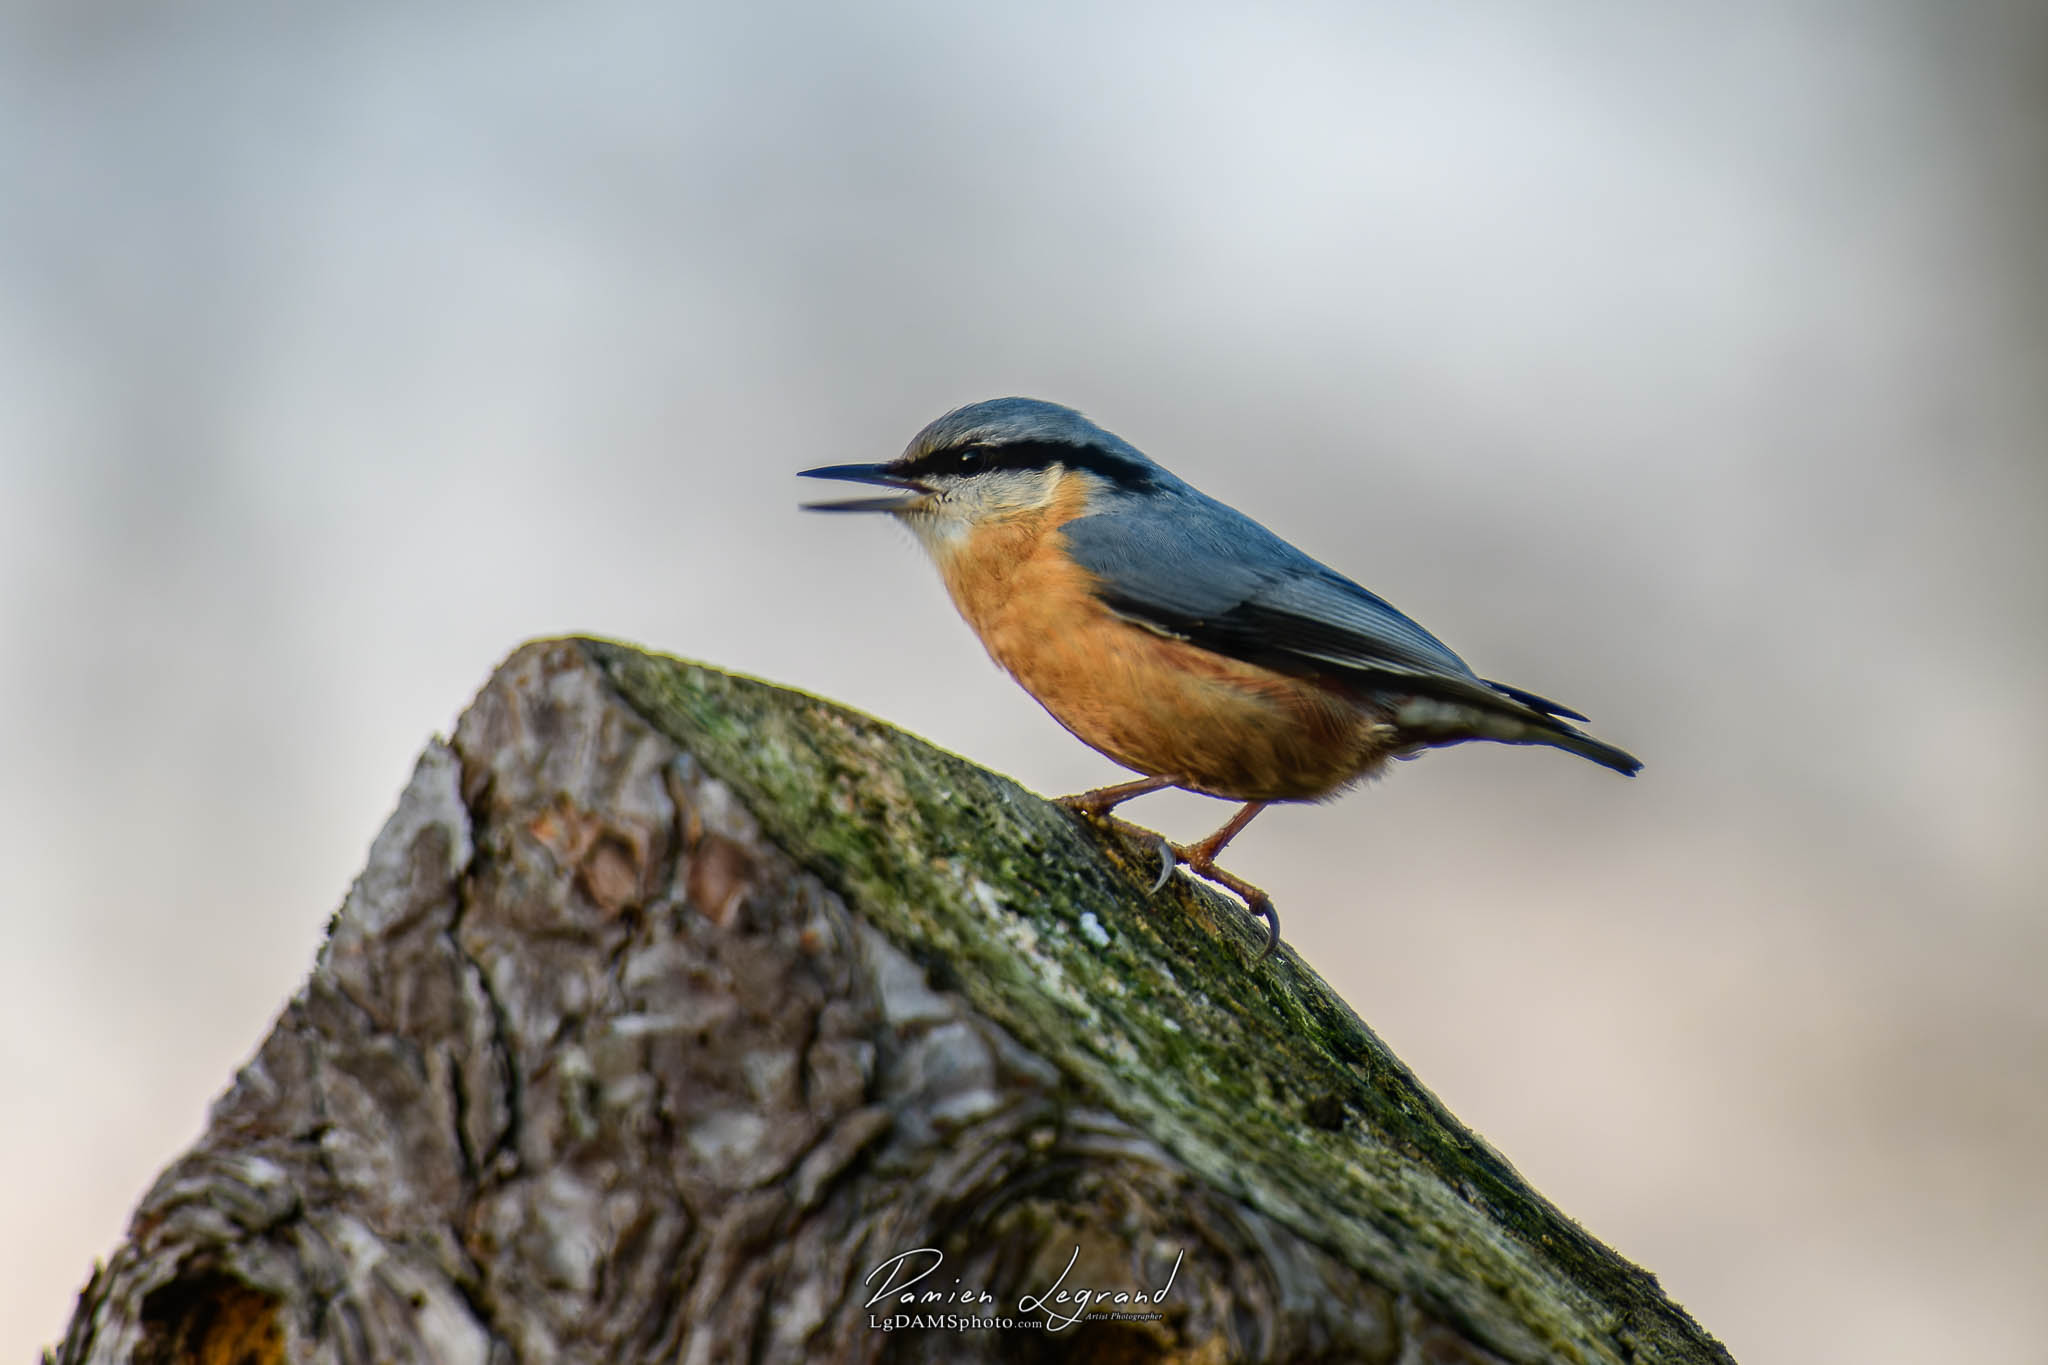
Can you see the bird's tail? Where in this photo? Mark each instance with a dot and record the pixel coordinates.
(1517, 718)
(1576, 741)
(1551, 728)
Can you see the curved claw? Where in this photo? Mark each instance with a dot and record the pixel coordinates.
(1263, 908)
(1169, 854)
(1167, 862)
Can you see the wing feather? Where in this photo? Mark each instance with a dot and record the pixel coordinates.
(1184, 563)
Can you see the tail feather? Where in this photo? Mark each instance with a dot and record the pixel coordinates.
(1505, 722)
(1575, 741)
(1532, 701)
(1550, 728)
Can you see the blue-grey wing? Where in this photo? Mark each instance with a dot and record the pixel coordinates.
(1182, 563)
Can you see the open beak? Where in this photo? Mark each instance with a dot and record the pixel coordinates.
(913, 492)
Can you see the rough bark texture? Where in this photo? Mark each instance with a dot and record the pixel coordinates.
(671, 1005)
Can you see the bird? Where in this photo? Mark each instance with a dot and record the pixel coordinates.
(1174, 634)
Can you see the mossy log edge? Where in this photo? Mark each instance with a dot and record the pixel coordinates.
(1255, 1074)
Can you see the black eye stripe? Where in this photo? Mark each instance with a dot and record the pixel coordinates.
(982, 457)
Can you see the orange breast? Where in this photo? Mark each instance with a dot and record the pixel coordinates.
(1159, 706)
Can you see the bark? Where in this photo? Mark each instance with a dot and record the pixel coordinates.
(670, 1006)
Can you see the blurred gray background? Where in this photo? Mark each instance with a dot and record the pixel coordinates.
(1687, 363)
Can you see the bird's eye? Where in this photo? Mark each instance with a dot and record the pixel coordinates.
(967, 459)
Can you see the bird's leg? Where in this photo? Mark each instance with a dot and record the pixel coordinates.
(1098, 804)
(1103, 800)
(1201, 860)
(1202, 856)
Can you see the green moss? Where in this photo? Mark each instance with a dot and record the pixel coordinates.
(1255, 1074)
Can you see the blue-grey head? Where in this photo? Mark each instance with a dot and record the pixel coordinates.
(993, 460)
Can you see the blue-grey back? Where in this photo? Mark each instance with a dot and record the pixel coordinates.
(1181, 561)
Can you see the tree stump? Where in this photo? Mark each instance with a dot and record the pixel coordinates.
(679, 1017)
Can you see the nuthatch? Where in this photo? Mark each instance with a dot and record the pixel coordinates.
(1175, 635)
